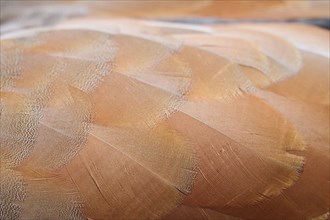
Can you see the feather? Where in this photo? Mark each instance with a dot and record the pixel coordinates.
(196, 213)
(226, 168)
(315, 39)
(311, 84)
(132, 174)
(315, 130)
(264, 53)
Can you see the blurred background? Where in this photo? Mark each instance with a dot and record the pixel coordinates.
(18, 14)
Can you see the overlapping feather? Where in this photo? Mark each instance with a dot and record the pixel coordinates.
(104, 122)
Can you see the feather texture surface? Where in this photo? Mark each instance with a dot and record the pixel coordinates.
(134, 119)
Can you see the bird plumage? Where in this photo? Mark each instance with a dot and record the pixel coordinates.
(132, 119)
